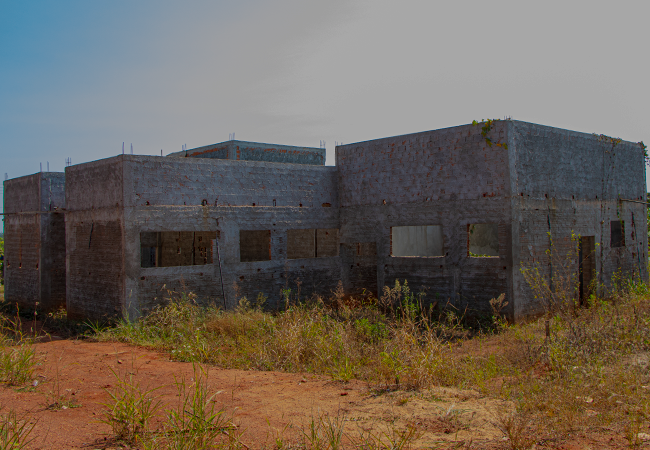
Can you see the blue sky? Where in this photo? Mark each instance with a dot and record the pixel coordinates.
(78, 78)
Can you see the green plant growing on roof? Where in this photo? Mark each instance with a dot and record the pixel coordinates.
(485, 131)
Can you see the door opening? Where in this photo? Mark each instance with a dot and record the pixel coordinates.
(587, 266)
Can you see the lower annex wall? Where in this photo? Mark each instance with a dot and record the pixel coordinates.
(227, 198)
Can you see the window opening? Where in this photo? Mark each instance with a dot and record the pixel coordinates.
(618, 233)
(587, 265)
(254, 245)
(327, 242)
(422, 241)
(312, 243)
(301, 244)
(483, 240)
(176, 248)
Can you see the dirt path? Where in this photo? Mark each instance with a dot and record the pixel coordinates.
(265, 406)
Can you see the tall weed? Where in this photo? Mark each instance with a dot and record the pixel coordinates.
(17, 354)
(194, 423)
(15, 431)
(17, 364)
(131, 407)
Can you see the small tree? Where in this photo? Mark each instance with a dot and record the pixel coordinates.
(556, 280)
(648, 209)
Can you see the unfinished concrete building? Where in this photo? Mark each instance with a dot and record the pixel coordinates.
(452, 211)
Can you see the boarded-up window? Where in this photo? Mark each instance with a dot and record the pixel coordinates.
(327, 242)
(254, 245)
(483, 240)
(423, 241)
(618, 233)
(366, 249)
(312, 243)
(176, 248)
(301, 243)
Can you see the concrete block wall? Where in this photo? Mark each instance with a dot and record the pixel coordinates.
(319, 275)
(449, 177)
(565, 182)
(95, 239)
(202, 181)
(255, 151)
(227, 196)
(35, 241)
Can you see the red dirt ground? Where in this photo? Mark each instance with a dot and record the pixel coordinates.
(263, 405)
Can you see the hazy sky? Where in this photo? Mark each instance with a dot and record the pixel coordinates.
(78, 78)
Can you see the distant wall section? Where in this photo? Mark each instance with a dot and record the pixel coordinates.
(255, 151)
(35, 241)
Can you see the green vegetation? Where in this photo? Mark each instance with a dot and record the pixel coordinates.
(17, 364)
(131, 408)
(2, 263)
(195, 422)
(375, 340)
(14, 431)
(17, 354)
(591, 371)
(485, 131)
